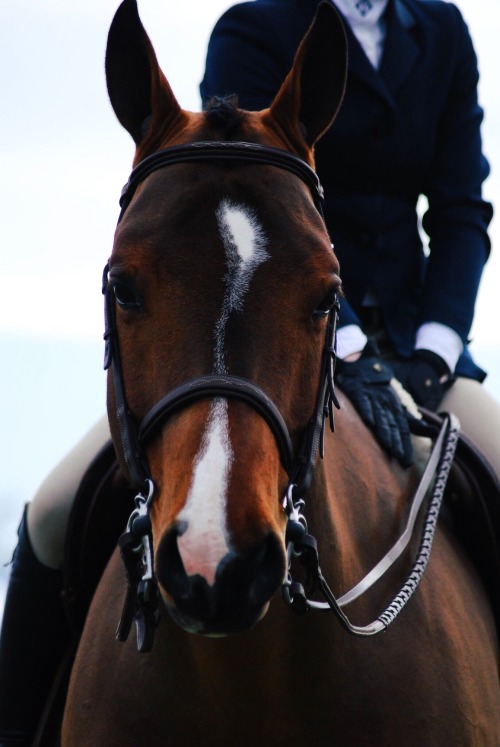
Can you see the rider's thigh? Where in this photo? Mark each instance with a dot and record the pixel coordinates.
(49, 510)
(479, 415)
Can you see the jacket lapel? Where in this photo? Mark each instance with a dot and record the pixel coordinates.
(401, 50)
(400, 54)
(360, 67)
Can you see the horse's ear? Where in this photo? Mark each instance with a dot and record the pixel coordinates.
(309, 99)
(139, 92)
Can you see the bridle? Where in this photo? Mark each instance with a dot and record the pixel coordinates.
(299, 464)
(136, 543)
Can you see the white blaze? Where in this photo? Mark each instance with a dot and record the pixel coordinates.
(244, 242)
(240, 229)
(206, 538)
(205, 541)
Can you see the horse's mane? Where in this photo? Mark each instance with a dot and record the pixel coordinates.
(223, 115)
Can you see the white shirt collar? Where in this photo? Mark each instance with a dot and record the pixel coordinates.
(365, 17)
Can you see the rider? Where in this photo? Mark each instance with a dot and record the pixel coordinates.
(409, 125)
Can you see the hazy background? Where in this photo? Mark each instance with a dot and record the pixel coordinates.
(63, 161)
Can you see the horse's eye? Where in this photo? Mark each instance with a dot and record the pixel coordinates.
(324, 308)
(126, 296)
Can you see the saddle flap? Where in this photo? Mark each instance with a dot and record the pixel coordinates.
(99, 515)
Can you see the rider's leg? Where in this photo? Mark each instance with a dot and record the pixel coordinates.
(34, 634)
(34, 628)
(49, 511)
(479, 415)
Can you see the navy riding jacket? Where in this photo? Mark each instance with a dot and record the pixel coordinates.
(410, 128)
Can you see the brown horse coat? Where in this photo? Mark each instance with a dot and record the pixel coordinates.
(432, 678)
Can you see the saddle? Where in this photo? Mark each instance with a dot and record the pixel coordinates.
(472, 506)
(104, 502)
(472, 509)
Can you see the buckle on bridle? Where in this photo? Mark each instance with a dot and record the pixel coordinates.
(142, 598)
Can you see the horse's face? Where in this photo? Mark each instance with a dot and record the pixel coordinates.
(220, 269)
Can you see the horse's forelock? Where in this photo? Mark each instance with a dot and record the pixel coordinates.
(222, 114)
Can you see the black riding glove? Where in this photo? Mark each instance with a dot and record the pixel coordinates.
(367, 384)
(425, 376)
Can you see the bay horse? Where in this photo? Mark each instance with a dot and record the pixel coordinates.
(220, 301)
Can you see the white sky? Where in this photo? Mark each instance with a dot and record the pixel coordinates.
(64, 157)
(63, 161)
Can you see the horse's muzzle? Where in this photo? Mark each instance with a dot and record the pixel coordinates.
(243, 586)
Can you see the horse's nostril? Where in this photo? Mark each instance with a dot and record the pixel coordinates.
(271, 572)
(170, 569)
(255, 574)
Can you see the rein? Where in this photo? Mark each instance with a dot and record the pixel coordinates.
(302, 545)
(136, 546)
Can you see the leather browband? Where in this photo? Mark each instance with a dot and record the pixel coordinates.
(215, 151)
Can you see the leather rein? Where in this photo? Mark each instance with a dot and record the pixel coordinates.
(141, 604)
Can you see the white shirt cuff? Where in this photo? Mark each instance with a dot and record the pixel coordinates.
(442, 340)
(350, 339)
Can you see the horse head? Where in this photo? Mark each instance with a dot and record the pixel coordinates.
(221, 269)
